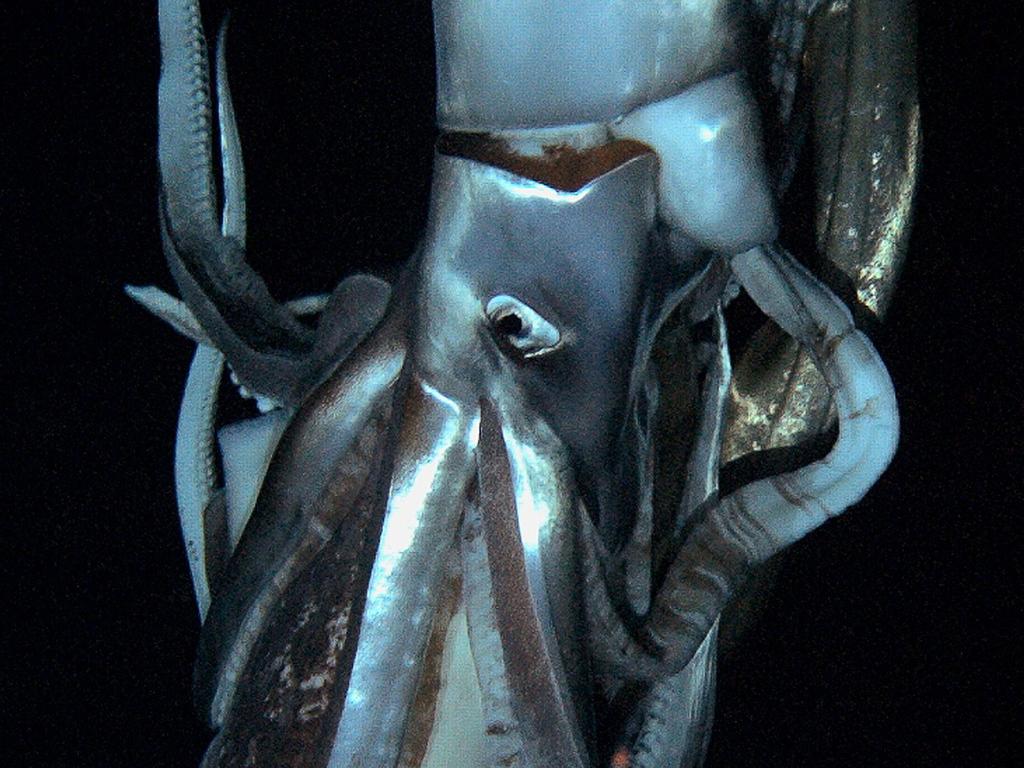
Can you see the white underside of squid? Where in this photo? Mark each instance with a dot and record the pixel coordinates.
(247, 447)
(459, 715)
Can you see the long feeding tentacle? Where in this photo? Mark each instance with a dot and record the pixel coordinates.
(758, 520)
(194, 466)
(184, 114)
(678, 709)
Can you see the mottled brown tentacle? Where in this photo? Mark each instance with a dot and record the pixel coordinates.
(319, 468)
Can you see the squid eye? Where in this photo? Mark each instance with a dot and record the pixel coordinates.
(519, 327)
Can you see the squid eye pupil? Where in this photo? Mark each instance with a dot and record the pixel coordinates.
(519, 329)
(509, 325)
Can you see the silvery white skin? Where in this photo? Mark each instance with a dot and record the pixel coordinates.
(479, 424)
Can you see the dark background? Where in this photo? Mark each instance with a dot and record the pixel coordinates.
(887, 641)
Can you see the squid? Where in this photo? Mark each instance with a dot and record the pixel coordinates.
(480, 519)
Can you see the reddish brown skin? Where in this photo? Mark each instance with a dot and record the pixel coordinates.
(536, 701)
(560, 167)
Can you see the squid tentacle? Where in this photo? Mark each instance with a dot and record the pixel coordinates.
(702, 467)
(194, 466)
(678, 709)
(269, 349)
(504, 742)
(194, 463)
(760, 519)
(209, 268)
(530, 674)
(233, 216)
